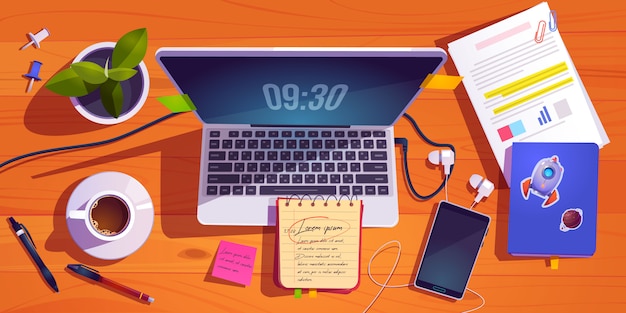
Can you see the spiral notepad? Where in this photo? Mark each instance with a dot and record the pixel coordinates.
(319, 242)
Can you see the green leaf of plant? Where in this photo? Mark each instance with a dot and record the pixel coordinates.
(130, 49)
(112, 97)
(121, 74)
(68, 83)
(89, 72)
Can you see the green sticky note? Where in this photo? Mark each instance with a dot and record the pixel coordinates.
(177, 103)
(297, 293)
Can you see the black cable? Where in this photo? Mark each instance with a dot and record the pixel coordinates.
(92, 144)
(401, 141)
(405, 147)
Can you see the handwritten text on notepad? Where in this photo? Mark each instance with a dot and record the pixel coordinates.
(319, 246)
(321, 227)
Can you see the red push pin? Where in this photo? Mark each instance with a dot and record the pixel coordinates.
(33, 74)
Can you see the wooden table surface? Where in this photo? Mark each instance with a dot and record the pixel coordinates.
(174, 264)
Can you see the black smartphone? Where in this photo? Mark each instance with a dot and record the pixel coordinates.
(455, 239)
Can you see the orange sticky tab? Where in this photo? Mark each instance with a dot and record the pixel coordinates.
(312, 293)
(554, 262)
(446, 82)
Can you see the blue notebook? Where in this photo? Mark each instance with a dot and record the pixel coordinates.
(553, 200)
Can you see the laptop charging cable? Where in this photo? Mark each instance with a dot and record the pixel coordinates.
(91, 144)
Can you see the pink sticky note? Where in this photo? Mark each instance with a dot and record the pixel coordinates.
(234, 262)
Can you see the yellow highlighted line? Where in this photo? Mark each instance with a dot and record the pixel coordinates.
(527, 81)
(533, 95)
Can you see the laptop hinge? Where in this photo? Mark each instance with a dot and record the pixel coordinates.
(300, 126)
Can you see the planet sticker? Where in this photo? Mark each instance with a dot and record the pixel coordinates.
(571, 219)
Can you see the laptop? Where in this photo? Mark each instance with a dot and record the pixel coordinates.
(297, 122)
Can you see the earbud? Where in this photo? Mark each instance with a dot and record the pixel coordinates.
(444, 157)
(483, 185)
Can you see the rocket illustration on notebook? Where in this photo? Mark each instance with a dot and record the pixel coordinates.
(553, 199)
(544, 180)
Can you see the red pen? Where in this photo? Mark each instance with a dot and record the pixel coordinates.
(93, 274)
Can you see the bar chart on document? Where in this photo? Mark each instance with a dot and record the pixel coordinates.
(523, 84)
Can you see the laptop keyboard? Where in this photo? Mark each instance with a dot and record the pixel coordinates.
(286, 162)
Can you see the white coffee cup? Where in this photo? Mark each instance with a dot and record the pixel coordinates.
(108, 215)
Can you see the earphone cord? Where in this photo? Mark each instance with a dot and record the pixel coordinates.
(393, 268)
(446, 185)
(91, 144)
(405, 149)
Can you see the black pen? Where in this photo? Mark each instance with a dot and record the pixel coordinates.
(27, 241)
(91, 273)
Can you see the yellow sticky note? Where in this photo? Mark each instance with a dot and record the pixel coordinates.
(554, 262)
(436, 81)
(312, 293)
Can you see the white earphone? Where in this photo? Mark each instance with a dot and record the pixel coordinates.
(443, 157)
(482, 185)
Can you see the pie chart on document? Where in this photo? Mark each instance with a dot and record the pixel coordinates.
(110, 215)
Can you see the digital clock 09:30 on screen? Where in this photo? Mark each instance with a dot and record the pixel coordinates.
(290, 97)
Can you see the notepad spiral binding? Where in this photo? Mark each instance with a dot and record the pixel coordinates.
(328, 197)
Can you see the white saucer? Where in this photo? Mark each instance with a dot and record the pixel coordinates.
(138, 195)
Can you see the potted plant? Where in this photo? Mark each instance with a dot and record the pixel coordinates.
(107, 82)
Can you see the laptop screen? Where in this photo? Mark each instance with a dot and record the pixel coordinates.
(314, 89)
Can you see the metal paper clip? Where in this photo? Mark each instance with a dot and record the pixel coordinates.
(551, 18)
(541, 30)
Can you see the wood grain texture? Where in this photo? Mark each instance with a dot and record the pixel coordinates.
(174, 264)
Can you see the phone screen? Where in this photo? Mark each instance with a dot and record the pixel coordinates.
(451, 250)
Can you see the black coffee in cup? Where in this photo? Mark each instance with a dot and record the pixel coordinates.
(109, 215)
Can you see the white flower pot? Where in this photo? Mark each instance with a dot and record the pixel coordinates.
(135, 89)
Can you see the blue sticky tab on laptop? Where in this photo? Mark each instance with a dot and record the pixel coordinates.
(553, 200)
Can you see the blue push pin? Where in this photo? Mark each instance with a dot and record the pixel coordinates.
(33, 74)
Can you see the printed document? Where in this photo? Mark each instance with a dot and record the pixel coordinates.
(523, 84)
